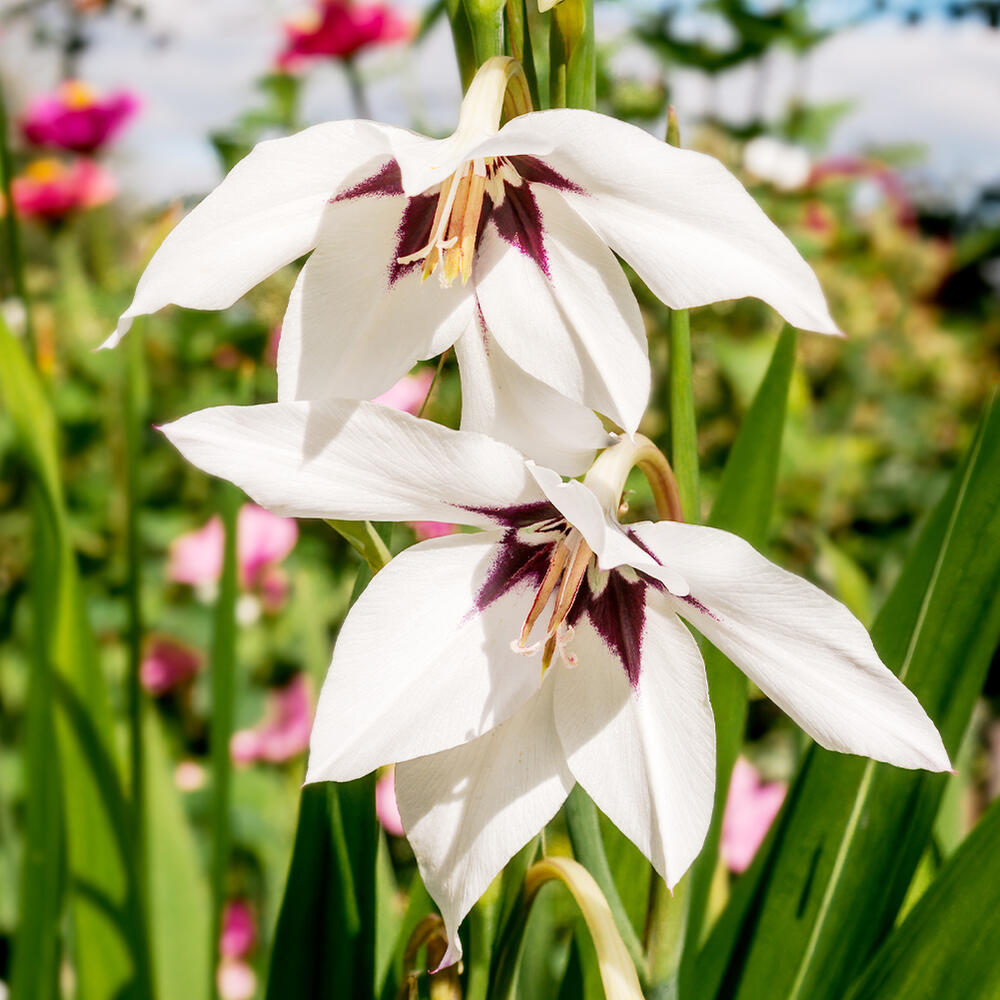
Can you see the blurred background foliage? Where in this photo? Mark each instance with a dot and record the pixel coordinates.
(877, 422)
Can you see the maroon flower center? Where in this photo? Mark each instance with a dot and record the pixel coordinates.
(440, 231)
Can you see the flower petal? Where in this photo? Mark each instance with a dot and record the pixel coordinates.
(645, 755)
(575, 325)
(467, 811)
(605, 536)
(802, 648)
(682, 220)
(502, 400)
(263, 215)
(356, 324)
(347, 460)
(418, 667)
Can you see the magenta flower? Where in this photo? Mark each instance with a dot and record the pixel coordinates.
(263, 540)
(431, 529)
(239, 930)
(339, 30)
(284, 731)
(386, 808)
(751, 806)
(409, 392)
(50, 190)
(76, 118)
(167, 663)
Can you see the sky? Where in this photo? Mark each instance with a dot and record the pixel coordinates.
(936, 84)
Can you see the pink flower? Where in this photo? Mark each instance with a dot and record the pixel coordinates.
(340, 30)
(51, 190)
(239, 930)
(235, 980)
(431, 529)
(409, 393)
(385, 804)
(263, 539)
(167, 663)
(284, 731)
(76, 118)
(750, 809)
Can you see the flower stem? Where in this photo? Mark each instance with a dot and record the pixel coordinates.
(683, 429)
(608, 474)
(11, 230)
(133, 406)
(359, 98)
(223, 682)
(585, 836)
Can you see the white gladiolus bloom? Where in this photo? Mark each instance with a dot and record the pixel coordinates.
(785, 166)
(519, 226)
(498, 668)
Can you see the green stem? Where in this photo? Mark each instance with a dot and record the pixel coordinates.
(572, 69)
(11, 229)
(223, 683)
(485, 18)
(683, 428)
(359, 99)
(588, 847)
(433, 385)
(666, 926)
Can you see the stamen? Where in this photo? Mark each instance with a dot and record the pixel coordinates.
(559, 556)
(570, 585)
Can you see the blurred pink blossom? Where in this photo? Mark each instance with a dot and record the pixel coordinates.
(409, 392)
(750, 809)
(76, 118)
(340, 30)
(50, 189)
(385, 804)
(167, 663)
(887, 180)
(239, 930)
(431, 529)
(263, 539)
(235, 980)
(283, 733)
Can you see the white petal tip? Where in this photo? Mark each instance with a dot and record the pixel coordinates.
(124, 324)
(544, 5)
(451, 956)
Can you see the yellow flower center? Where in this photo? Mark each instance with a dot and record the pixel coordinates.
(75, 94)
(45, 170)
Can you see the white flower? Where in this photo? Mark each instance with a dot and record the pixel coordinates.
(785, 166)
(498, 668)
(521, 225)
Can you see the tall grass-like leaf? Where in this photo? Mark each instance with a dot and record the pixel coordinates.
(320, 922)
(36, 952)
(110, 950)
(947, 945)
(815, 906)
(176, 884)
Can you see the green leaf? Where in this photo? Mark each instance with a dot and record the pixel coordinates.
(946, 947)
(177, 887)
(319, 921)
(110, 951)
(852, 832)
(743, 505)
(36, 953)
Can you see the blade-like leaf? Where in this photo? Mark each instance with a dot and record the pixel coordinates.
(178, 889)
(947, 945)
(853, 831)
(110, 953)
(742, 505)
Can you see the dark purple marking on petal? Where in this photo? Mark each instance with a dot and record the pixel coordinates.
(536, 171)
(634, 537)
(522, 515)
(618, 614)
(387, 181)
(515, 562)
(519, 222)
(698, 606)
(413, 234)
